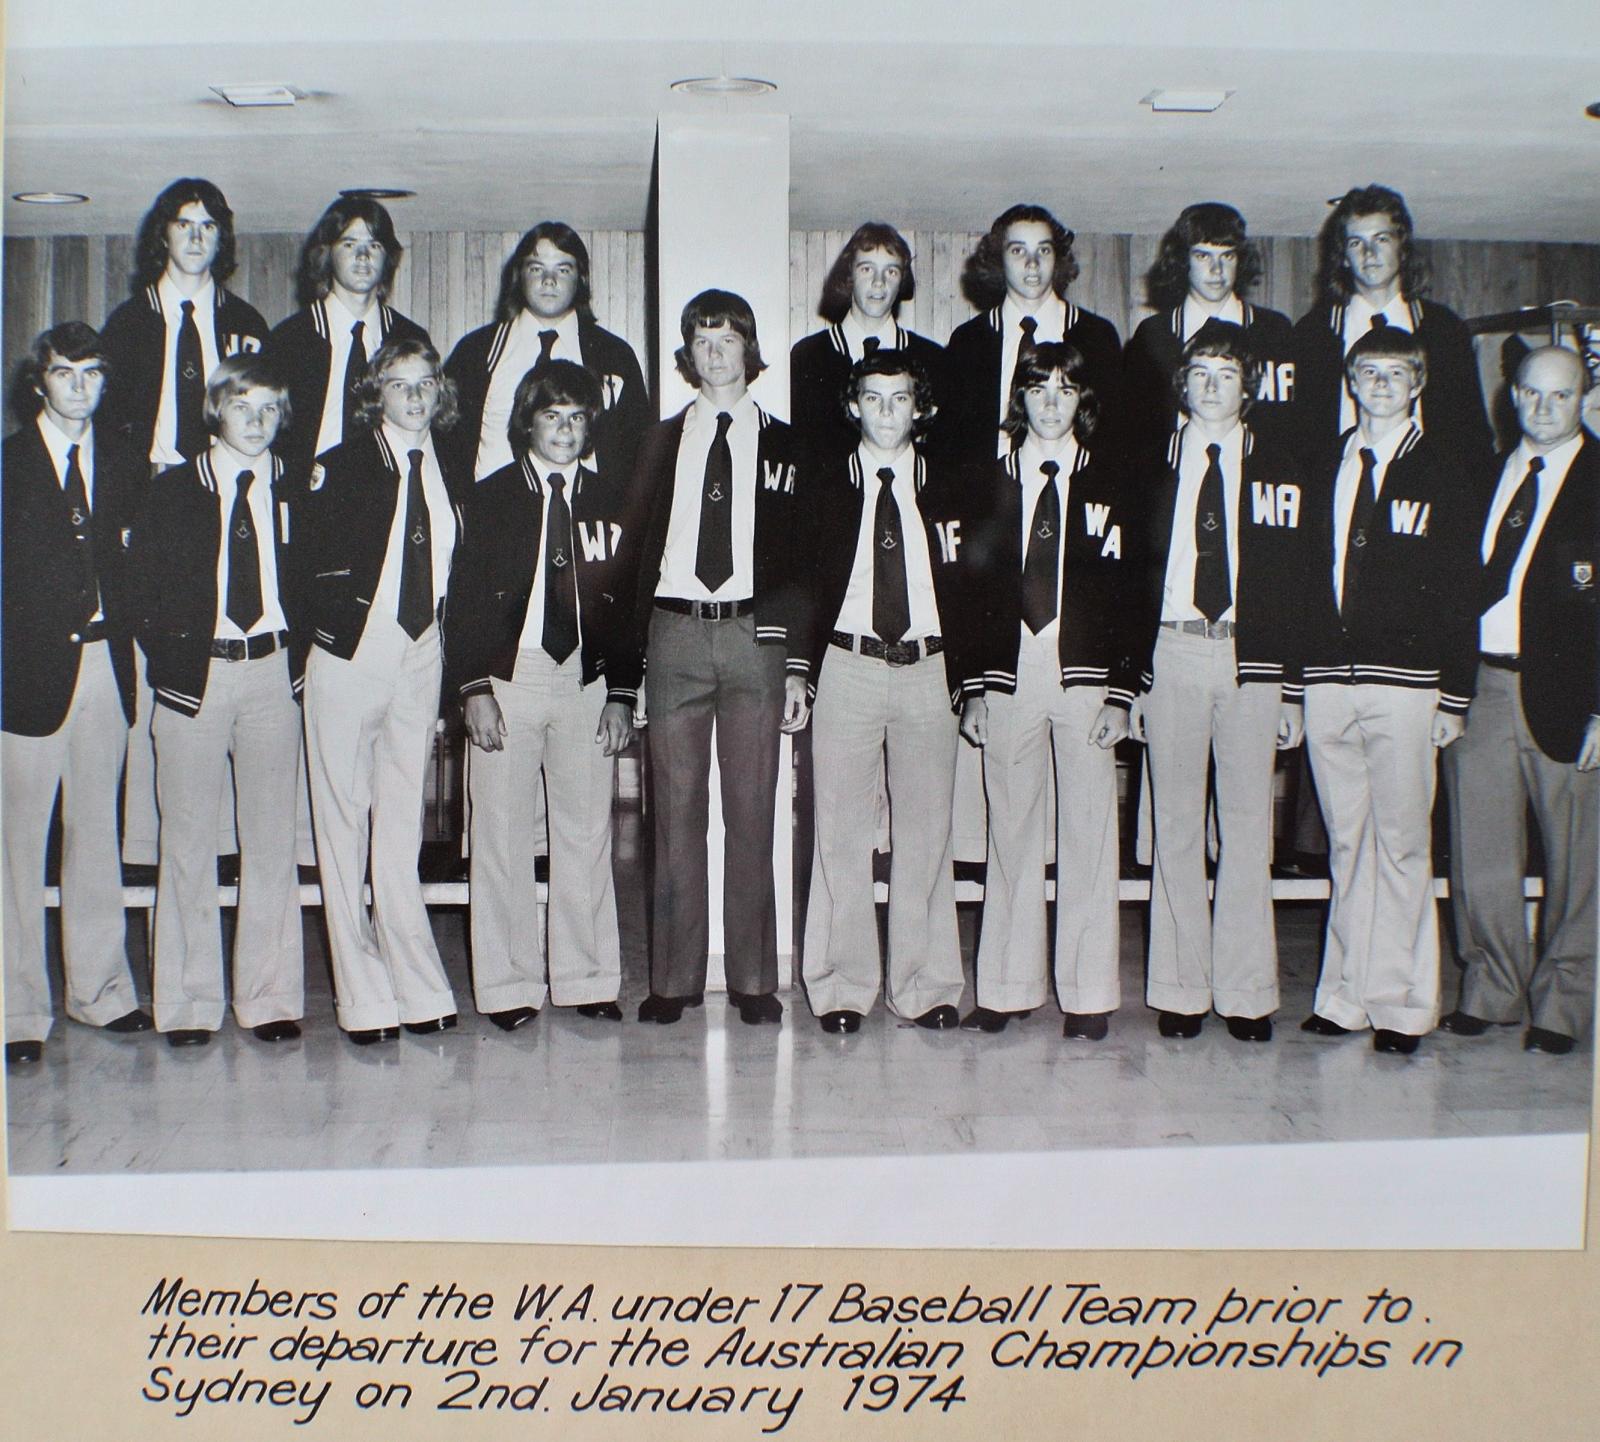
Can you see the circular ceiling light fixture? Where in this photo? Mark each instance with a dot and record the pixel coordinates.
(724, 85)
(50, 197)
(377, 192)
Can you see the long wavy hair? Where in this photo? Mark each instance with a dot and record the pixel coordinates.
(1333, 269)
(983, 278)
(1210, 222)
(150, 249)
(315, 278)
(838, 289)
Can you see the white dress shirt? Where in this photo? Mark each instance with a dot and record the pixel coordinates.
(164, 448)
(855, 613)
(441, 521)
(341, 319)
(226, 465)
(1051, 318)
(520, 355)
(1345, 486)
(683, 525)
(532, 638)
(1358, 314)
(1500, 628)
(1029, 459)
(1196, 315)
(1177, 597)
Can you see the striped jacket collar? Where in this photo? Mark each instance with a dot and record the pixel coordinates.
(1408, 442)
(208, 475)
(1013, 463)
(1175, 317)
(535, 482)
(1337, 309)
(319, 319)
(858, 474)
(835, 334)
(1073, 315)
(152, 297)
(1175, 445)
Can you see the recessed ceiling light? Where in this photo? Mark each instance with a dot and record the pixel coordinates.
(50, 197)
(377, 192)
(1192, 101)
(725, 85)
(246, 96)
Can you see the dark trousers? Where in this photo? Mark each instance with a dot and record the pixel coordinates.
(700, 673)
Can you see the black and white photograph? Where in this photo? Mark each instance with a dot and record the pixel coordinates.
(816, 626)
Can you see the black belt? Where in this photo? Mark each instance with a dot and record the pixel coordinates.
(896, 653)
(1498, 662)
(706, 610)
(253, 649)
(90, 631)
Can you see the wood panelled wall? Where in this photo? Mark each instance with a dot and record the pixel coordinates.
(449, 279)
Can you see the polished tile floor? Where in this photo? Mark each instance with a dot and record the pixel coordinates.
(566, 1089)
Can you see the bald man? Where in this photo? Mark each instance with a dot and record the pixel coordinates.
(1533, 733)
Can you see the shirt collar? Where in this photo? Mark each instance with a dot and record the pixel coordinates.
(528, 324)
(887, 338)
(1557, 460)
(172, 299)
(402, 443)
(902, 465)
(1360, 311)
(227, 463)
(743, 411)
(341, 317)
(1030, 458)
(1195, 316)
(57, 442)
(1051, 316)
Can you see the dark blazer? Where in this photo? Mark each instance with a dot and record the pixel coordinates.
(135, 341)
(1150, 405)
(1451, 407)
(300, 351)
(491, 580)
(342, 519)
(773, 562)
(1274, 560)
(829, 528)
(819, 369)
(617, 429)
(1413, 618)
(1560, 614)
(43, 604)
(971, 417)
(173, 578)
(1100, 577)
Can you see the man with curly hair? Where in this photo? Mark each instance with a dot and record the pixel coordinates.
(376, 532)
(1017, 277)
(1204, 269)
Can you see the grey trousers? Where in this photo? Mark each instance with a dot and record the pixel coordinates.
(1493, 773)
(865, 706)
(83, 759)
(705, 677)
(248, 714)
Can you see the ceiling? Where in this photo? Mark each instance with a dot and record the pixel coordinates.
(508, 112)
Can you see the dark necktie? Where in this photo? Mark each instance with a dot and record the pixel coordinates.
(355, 370)
(1212, 590)
(547, 343)
(560, 582)
(191, 377)
(1360, 519)
(891, 603)
(1029, 325)
(1511, 535)
(1044, 546)
(244, 562)
(1378, 321)
(869, 346)
(76, 491)
(415, 611)
(713, 561)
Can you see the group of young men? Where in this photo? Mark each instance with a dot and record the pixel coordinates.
(268, 545)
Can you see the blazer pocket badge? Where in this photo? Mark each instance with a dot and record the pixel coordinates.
(1583, 575)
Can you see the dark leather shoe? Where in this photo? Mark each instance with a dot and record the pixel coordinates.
(1395, 1043)
(1554, 1043)
(941, 1018)
(840, 1023)
(599, 1010)
(188, 1036)
(1463, 1023)
(276, 1031)
(1321, 1026)
(757, 1010)
(1249, 1028)
(513, 1017)
(981, 1018)
(1085, 1026)
(1180, 1025)
(663, 1010)
(374, 1034)
(130, 1022)
(24, 1053)
(430, 1028)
